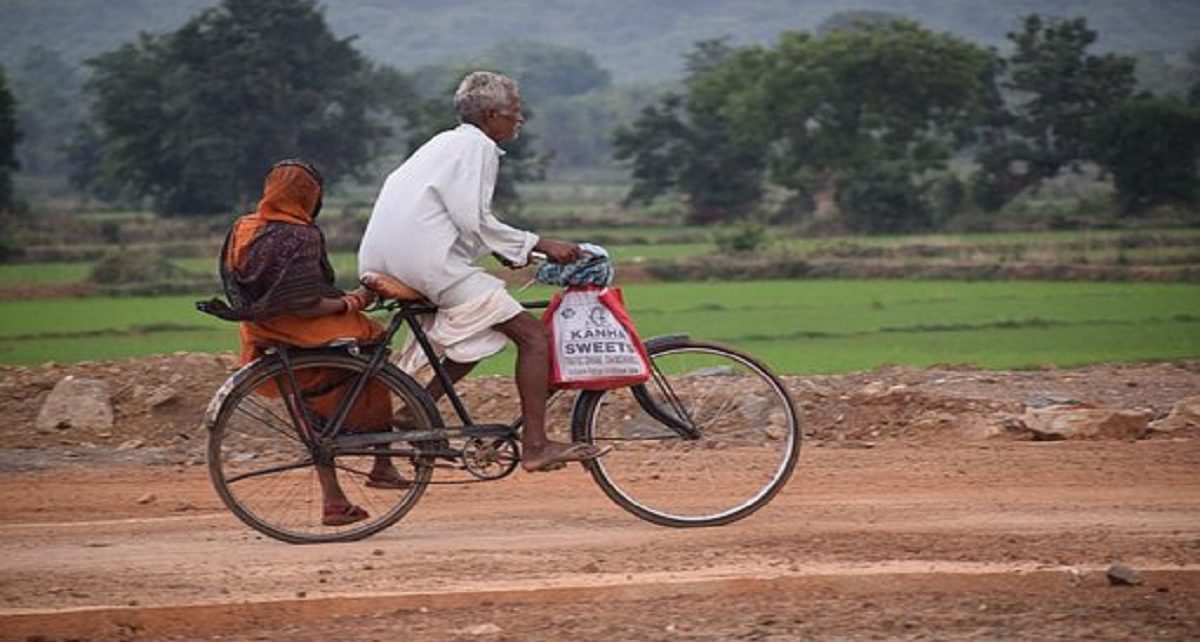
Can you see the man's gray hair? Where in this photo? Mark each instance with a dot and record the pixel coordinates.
(480, 91)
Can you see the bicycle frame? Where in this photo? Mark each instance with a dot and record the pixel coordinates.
(404, 314)
(674, 416)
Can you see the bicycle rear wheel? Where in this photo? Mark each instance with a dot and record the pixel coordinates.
(710, 439)
(266, 473)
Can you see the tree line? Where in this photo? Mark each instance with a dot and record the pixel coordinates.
(861, 123)
(188, 121)
(867, 123)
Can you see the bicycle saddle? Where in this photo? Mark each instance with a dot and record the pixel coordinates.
(389, 287)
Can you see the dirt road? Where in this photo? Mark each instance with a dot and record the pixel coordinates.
(990, 540)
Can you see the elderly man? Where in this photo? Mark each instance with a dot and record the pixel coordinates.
(433, 220)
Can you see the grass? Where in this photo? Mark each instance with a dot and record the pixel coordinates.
(43, 273)
(823, 326)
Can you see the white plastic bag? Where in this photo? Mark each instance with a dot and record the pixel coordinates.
(595, 346)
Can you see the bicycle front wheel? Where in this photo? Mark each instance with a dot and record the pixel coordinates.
(710, 439)
(267, 474)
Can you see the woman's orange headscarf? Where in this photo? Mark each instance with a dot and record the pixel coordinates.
(290, 195)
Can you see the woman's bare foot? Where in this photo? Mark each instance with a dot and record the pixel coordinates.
(384, 475)
(342, 514)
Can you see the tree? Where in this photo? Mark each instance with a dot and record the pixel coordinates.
(49, 92)
(577, 130)
(544, 70)
(1151, 146)
(194, 118)
(687, 143)
(866, 116)
(9, 135)
(862, 104)
(1058, 90)
(571, 94)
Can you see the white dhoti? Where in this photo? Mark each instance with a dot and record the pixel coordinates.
(462, 333)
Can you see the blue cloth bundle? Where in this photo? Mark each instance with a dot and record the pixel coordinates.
(594, 268)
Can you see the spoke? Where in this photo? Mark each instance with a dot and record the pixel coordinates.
(280, 425)
(696, 415)
(351, 470)
(665, 437)
(672, 399)
(717, 414)
(269, 470)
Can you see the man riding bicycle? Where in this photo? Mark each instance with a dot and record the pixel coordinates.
(432, 221)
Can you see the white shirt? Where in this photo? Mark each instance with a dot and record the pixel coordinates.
(433, 220)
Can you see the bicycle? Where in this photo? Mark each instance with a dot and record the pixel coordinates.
(708, 440)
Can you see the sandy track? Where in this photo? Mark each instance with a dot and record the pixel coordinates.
(995, 540)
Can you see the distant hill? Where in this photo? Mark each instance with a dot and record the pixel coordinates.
(634, 39)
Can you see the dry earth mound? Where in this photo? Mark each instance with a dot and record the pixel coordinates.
(150, 408)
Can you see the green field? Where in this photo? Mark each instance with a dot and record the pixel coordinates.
(821, 326)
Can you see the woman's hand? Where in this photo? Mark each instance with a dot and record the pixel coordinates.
(354, 301)
(358, 299)
(367, 295)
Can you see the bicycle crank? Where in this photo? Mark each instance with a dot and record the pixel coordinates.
(490, 457)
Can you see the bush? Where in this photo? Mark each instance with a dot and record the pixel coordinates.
(732, 268)
(741, 239)
(139, 266)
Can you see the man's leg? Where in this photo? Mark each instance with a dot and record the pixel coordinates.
(455, 370)
(533, 384)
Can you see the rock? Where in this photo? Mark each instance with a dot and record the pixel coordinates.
(1052, 400)
(980, 427)
(131, 444)
(775, 432)
(1069, 422)
(482, 629)
(852, 445)
(1075, 575)
(590, 567)
(200, 360)
(160, 395)
(1185, 414)
(872, 389)
(752, 406)
(1121, 575)
(77, 403)
(148, 498)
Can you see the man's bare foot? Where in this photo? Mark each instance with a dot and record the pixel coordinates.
(555, 455)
